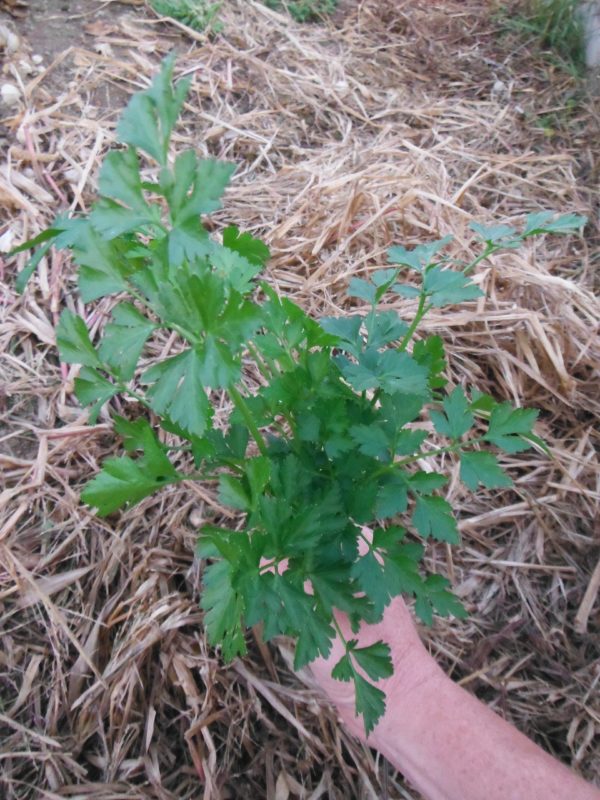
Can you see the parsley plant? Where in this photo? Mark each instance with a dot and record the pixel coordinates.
(201, 15)
(331, 441)
(304, 10)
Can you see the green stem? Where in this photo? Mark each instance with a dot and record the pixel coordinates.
(453, 448)
(340, 634)
(123, 389)
(260, 362)
(242, 407)
(422, 309)
(487, 252)
(200, 476)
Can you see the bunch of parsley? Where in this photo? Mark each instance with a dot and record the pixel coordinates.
(333, 439)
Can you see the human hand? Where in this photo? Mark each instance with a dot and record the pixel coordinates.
(413, 669)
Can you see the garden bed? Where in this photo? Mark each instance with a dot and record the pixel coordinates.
(394, 124)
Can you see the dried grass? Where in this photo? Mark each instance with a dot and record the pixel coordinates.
(401, 122)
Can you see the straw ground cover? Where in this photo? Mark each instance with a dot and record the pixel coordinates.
(393, 127)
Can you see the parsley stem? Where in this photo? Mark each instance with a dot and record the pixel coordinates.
(124, 389)
(481, 257)
(422, 309)
(453, 448)
(261, 363)
(200, 476)
(244, 410)
(340, 634)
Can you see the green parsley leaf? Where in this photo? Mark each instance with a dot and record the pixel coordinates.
(150, 116)
(111, 219)
(393, 371)
(223, 609)
(482, 403)
(371, 440)
(375, 660)
(235, 270)
(189, 241)
(548, 222)
(333, 587)
(430, 353)
(511, 428)
(408, 442)
(482, 467)
(343, 670)
(73, 341)
(125, 481)
(139, 127)
(426, 482)
(433, 517)
(258, 473)
(120, 180)
(92, 389)
(401, 570)
(103, 265)
(500, 235)
(124, 340)
(201, 190)
(178, 391)
(448, 287)
(400, 409)
(383, 328)
(314, 640)
(363, 290)
(383, 277)
(232, 493)
(253, 250)
(315, 634)
(436, 597)
(32, 264)
(262, 603)
(407, 290)
(457, 419)
(419, 257)
(370, 702)
(290, 328)
(137, 434)
(389, 538)
(347, 329)
(370, 577)
(392, 498)
(41, 238)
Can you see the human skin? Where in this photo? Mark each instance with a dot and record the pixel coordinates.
(446, 743)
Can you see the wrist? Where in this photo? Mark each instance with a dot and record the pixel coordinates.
(415, 681)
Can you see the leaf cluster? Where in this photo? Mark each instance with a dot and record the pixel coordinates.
(304, 10)
(331, 442)
(201, 15)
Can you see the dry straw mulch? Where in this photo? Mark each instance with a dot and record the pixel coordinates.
(397, 123)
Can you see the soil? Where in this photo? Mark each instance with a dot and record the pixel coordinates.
(49, 27)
